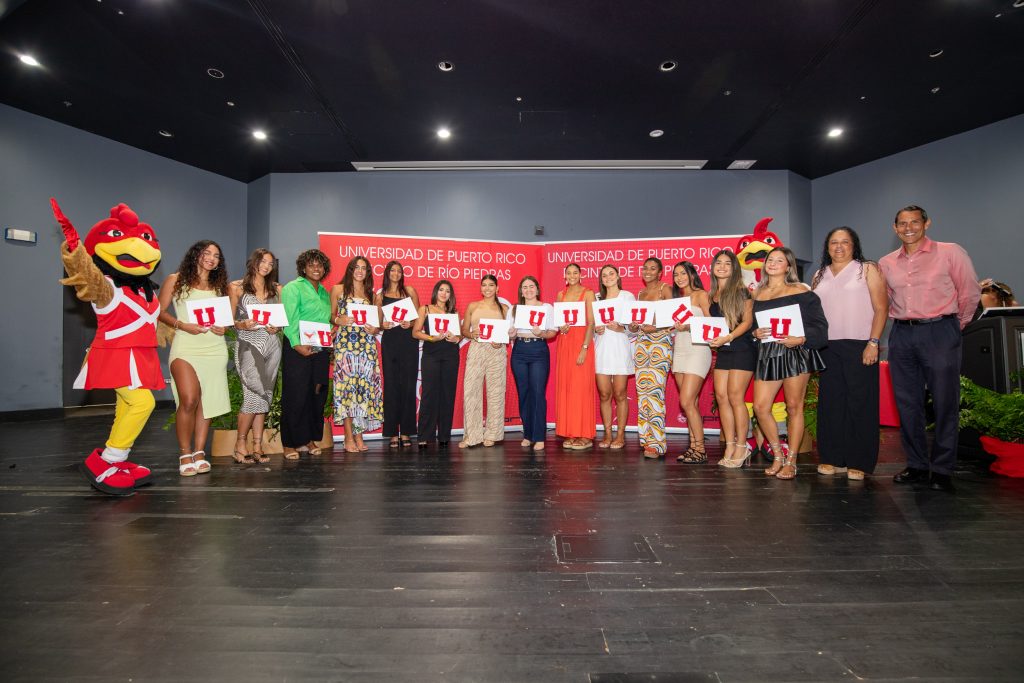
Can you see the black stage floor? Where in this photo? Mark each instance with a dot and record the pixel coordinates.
(494, 565)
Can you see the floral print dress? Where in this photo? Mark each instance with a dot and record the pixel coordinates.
(357, 381)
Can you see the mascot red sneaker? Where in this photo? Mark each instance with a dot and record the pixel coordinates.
(111, 270)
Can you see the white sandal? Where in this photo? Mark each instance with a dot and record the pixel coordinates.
(187, 469)
(203, 465)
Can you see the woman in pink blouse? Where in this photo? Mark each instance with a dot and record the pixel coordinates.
(853, 296)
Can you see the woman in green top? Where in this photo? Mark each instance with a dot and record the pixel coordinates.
(304, 367)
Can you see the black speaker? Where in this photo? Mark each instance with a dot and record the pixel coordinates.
(993, 351)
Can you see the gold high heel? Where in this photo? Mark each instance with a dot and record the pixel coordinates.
(725, 460)
(778, 459)
(735, 464)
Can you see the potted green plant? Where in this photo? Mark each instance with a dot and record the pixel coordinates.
(999, 418)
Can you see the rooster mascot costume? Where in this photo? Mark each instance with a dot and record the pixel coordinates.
(751, 251)
(111, 270)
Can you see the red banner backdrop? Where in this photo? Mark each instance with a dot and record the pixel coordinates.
(426, 260)
(628, 256)
(463, 262)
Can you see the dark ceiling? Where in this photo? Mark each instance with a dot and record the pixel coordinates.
(337, 81)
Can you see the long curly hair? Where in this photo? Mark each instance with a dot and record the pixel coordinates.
(188, 271)
(348, 280)
(401, 278)
(251, 271)
(732, 296)
(826, 258)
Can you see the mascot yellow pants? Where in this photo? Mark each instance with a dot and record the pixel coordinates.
(134, 407)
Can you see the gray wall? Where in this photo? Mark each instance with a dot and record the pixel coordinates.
(971, 185)
(87, 174)
(571, 205)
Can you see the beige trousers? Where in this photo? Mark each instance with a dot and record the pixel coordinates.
(484, 362)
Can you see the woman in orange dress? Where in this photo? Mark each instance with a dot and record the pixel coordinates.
(574, 369)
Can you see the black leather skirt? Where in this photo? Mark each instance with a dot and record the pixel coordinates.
(775, 362)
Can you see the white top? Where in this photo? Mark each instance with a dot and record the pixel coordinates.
(614, 350)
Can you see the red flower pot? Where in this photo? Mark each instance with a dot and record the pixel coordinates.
(1009, 456)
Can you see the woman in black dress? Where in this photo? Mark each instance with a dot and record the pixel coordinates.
(787, 360)
(400, 356)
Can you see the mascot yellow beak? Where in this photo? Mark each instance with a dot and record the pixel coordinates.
(753, 255)
(132, 255)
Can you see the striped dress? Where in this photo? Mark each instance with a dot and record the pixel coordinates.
(653, 359)
(257, 358)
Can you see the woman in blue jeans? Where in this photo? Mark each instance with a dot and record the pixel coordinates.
(531, 362)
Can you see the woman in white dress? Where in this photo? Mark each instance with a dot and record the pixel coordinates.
(613, 362)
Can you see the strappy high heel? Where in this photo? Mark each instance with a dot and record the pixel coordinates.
(778, 460)
(735, 464)
(695, 454)
(725, 460)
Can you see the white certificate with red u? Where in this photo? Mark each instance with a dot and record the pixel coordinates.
(212, 311)
(571, 313)
(363, 314)
(315, 334)
(636, 313)
(529, 317)
(605, 311)
(670, 312)
(268, 314)
(440, 323)
(401, 311)
(784, 321)
(494, 330)
(705, 329)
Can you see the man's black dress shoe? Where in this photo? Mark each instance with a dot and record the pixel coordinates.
(942, 482)
(911, 475)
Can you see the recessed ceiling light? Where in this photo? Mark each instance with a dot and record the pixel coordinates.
(519, 99)
(259, 134)
(67, 103)
(445, 66)
(29, 60)
(656, 133)
(835, 132)
(165, 133)
(727, 92)
(1018, 3)
(668, 65)
(120, 12)
(741, 164)
(935, 53)
(214, 73)
(863, 97)
(444, 133)
(230, 103)
(935, 90)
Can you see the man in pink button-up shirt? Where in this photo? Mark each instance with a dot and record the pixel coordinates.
(933, 292)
